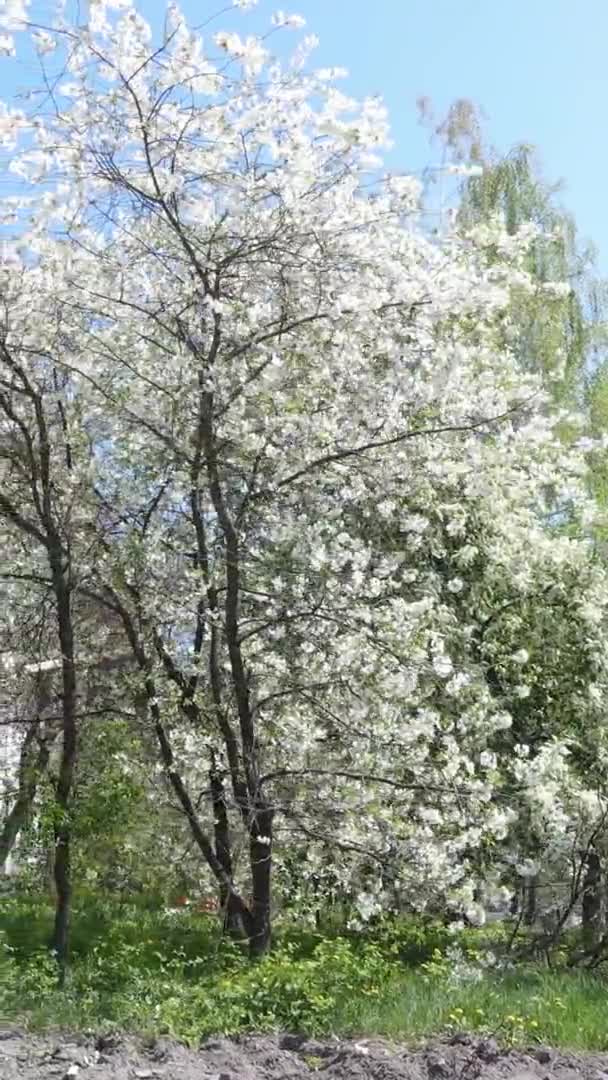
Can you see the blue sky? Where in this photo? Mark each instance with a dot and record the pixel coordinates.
(539, 69)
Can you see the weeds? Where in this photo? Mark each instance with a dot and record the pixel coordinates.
(171, 973)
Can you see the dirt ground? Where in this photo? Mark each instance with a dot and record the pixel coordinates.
(30, 1057)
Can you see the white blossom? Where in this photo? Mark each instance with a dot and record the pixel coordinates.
(455, 585)
(522, 691)
(293, 22)
(44, 42)
(521, 656)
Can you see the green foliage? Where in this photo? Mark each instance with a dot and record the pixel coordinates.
(172, 972)
(415, 941)
(554, 335)
(157, 971)
(105, 931)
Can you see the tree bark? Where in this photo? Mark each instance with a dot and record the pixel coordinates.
(255, 808)
(593, 914)
(233, 922)
(49, 530)
(529, 902)
(237, 904)
(260, 857)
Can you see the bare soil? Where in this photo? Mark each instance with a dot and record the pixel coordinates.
(24, 1056)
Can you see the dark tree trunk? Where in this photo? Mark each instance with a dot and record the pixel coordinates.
(63, 888)
(592, 905)
(530, 897)
(202, 840)
(257, 813)
(231, 911)
(260, 856)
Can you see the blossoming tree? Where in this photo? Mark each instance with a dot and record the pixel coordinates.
(291, 458)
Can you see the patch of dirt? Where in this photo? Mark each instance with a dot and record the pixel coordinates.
(31, 1057)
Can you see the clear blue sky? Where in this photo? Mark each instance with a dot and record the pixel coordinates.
(539, 68)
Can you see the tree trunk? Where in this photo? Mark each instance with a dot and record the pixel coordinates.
(63, 888)
(530, 890)
(237, 906)
(260, 857)
(233, 922)
(63, 789)
(31, 768)
(52, 532)
(593, 914)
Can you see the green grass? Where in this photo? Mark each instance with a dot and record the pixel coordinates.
(143, 970)
(566, 1010)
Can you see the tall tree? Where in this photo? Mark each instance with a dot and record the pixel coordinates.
(267, 414)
